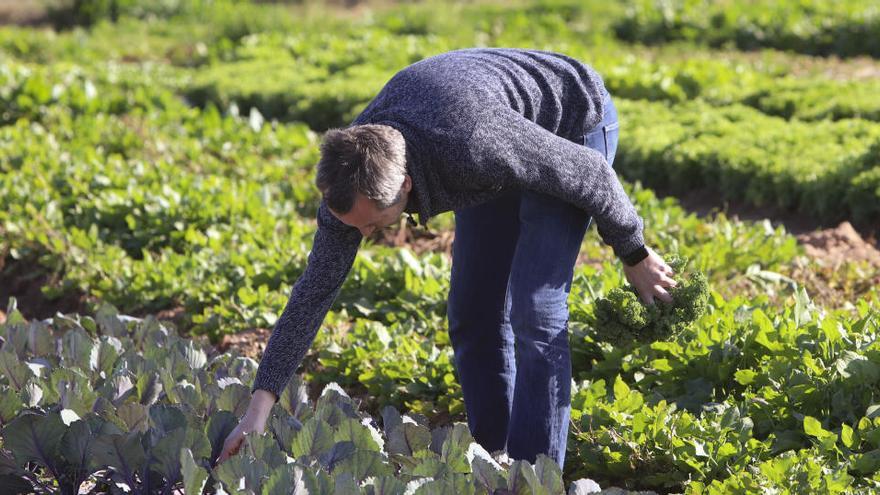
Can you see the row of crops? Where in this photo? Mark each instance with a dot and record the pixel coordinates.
(163, 162)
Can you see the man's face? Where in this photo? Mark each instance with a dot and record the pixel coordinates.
(366, 215)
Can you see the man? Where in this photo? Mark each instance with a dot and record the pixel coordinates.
(519, 144)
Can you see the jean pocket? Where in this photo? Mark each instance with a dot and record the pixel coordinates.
(611, 133)
(595, 139)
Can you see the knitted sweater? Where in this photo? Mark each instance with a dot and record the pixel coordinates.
(477, 122)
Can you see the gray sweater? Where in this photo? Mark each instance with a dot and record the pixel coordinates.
(476, 122)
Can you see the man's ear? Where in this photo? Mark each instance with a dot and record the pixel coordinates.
(407, 183)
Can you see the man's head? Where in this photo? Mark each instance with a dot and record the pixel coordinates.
(362, 175)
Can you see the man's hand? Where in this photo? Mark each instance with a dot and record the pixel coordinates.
(651, 277)
(253, 420)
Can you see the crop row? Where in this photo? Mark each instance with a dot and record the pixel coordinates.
(128, 406)
(749, 398)
(845, 28)
(317, 80)
(827, 169)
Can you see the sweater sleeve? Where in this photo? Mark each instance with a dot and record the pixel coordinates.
(333, 251)
(509, 150)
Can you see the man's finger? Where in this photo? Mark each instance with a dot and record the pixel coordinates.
(661, 294)
(229, 449)
(670, 282)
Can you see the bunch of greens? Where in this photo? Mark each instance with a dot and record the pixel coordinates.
(622, 319)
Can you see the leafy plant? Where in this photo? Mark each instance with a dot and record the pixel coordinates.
(622, 319)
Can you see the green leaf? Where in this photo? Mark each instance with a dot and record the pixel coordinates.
(124, 453)
(846, 436)
(314, 439)
(363, 464)
(31, 394)
(109, 322)
(288, 479)
(239, 467)
(166, 418)
(16, 372)
(134, 416)
(294, 397)
(218, 428)
(39, 340)
(408, 438)
(166, 453)
(10, 404)
(522, 479)
(149, 387)
(265, 448)
(486, 475)
(813, 427)
(118, 387)
(455, 448)
(339, 452)
(37, 438)
(74, 389)
(451, 484)
(78, 443)
(867, 463)
(351, 430)
(764, 330)
(621, 389)
(549, 474)
(235, 398)
(388, 485)
(109, 349)
(12, 483)
(390, 419)
(745, 377)
(77, 350)
(346, 485)
(194, 476)
(854, 365)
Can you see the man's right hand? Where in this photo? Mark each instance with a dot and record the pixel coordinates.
(651, 277)
(253, 420)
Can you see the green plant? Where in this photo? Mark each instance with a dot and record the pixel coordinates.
(622, 319)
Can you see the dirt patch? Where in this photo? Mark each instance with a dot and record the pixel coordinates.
(24, 281)
(705, 202)
(833, 67)
(177, 315)
(22, 12)
(417, 239)
(839, 245)
(250, 343)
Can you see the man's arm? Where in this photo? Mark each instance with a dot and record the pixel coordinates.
(508, 148)
(333, 252)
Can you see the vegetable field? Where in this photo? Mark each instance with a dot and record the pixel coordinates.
(157, 200)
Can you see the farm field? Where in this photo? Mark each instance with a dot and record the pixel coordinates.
(157, 204)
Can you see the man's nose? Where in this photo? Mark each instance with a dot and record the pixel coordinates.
(366, 231)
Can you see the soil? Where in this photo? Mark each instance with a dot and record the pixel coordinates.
(22, 12)
(417, 239)
(250, 343)
(839, 245)
(20, 280)
(823, 241)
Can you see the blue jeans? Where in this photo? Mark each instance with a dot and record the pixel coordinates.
(512, 267)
